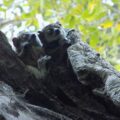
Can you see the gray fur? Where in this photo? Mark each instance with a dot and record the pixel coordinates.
(28, 45)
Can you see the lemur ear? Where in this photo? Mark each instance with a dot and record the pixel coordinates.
(58, 23)
(15, 41)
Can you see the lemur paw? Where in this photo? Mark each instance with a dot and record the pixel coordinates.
(42, 61)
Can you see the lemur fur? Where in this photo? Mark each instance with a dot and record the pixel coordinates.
(29, 49)
(54, 40)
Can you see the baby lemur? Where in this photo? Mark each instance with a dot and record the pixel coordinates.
(29, 50)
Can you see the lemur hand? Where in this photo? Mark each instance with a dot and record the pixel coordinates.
(42, 61)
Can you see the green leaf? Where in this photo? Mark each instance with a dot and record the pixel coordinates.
(8, 2)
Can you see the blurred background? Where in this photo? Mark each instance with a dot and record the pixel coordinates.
(97, 20)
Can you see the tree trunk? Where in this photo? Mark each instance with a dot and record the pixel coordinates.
(69, 92)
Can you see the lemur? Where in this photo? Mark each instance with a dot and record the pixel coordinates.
(27, 47)
(55, 41)
(29, 50)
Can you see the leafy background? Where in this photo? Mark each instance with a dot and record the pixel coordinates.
(98, 21)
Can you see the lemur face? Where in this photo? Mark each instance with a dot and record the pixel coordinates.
(53, 33)
(24, 41)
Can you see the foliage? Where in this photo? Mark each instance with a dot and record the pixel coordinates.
(98, 20)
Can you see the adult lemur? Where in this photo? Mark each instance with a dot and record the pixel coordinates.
(29, 50)
(55, 41)
(28, 47)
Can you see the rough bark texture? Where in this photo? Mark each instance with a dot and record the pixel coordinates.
(71, 91)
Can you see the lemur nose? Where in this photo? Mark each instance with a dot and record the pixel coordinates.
(57, 31)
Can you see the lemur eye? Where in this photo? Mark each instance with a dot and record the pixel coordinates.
(50, 31)
(57, 31)
(24, 36)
